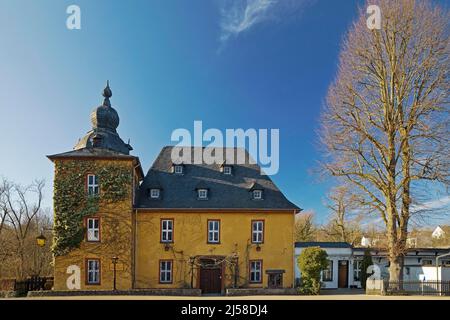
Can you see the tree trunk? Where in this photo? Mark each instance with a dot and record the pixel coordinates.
(395, 271)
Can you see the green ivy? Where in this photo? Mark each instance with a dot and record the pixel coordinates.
(72, 203)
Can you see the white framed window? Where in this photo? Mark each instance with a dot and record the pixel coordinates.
(227, 170)
(167, 230)
(445, 263)
(256, 271)
(165, 271)
(202, 193)
(93, 229)
(178, 169)
(92, 185)
(93, 271)
(213, 231)
(257, 194)
(258, 231)
(427, 262)
(327, 274)
(154, 193)
(357, 270)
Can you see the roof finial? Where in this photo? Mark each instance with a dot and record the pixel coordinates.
(107, 93)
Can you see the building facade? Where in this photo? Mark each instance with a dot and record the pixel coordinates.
(182, 225)
(345, 261)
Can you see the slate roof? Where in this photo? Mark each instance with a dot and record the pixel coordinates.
(225, 191)
(108, 139)
(92, 153)
(100, 153)
(323, 244)
(104, 120)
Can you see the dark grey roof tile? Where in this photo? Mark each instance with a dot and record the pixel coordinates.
(225, 191)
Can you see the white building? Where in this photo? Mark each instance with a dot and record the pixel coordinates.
(440, 232)
(344, 269)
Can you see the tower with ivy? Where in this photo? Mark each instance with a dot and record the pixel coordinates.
(94, 194)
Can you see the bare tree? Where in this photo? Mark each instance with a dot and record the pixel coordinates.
(304, 229)
(385, 127)
(22, 205)
(344, 218)
(3, 203)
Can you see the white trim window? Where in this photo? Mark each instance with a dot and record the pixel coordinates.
(427, 262)
(165, 271)
(327, 274)
(93, 229)
(258, 231)
(155, 193)
(357, 264)
(213, 231)
(202, 194)
(257, 194)
(227, 170)
(93, 271)
(178, 169)
(256, 271)
(92, 185)
(167, 230)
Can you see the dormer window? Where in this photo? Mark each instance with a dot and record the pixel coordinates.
(257, 194)
(155, 193)
(202, 194)
(227, 170)
(178, 169)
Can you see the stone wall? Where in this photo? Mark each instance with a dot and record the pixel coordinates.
(146, 292)
(261, 291)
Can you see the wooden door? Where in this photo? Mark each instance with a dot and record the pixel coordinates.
(342, 274)
(211, 280)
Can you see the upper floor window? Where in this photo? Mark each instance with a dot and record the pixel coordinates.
(92, 184)
(178, 169)
(327, 274)
(167, 230)
(93, 271)
(213, 231)
(202, 193)
(165, 271)
(257, 194)
(93, 229)
(227, 170)
(155, 193)
(256, 271)
(258, 231)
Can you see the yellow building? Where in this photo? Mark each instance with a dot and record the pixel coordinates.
(182, 225)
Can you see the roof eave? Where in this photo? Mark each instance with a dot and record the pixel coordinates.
(289, 210)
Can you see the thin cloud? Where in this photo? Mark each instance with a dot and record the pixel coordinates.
(239, 16)
(441, 203)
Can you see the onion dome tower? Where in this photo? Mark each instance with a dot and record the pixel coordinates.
(104, 120)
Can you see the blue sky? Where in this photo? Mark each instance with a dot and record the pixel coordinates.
(265, 65)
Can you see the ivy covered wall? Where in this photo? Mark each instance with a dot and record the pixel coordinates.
(72, 203)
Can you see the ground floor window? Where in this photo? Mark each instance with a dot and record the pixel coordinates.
(165, 271)
(93, 271)
(256, 271)
(275, 279)
(357, 270)
(327, 274)
(427, 262)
